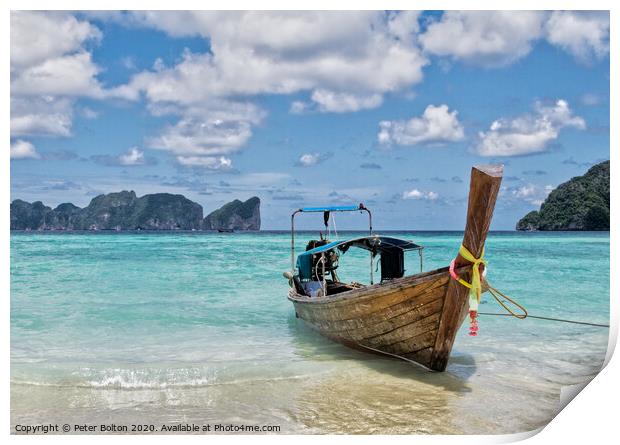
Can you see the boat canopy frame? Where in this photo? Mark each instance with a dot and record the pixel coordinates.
(326, 212)
(388, 247)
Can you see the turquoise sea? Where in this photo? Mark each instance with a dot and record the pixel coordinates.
(154, 328)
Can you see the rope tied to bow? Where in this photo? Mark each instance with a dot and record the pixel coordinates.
(476, 282)
(475, 288)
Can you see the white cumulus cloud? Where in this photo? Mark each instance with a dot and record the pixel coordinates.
(132, 157)
(208, 162)
(531, 193)
(343, 61)
(50, 68)
(337, 55)
(310, 159)
(436, 125)
(21, 149)
(299, 107)
(68, 75)
(212, 131)
(419, 194)
(40, 36)
(41, 116)
(333, 61)
(499, 38)
(529, 133)
(487, 38)
(49, 55)
(584, 34)
(331, 101)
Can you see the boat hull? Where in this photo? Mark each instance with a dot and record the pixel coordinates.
(401, 318)
(415, 317)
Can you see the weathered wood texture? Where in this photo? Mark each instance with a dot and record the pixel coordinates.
(415, 317)
(401, 317)
(483, 190)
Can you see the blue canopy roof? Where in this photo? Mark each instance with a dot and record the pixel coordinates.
(373, 243)
(332, 209)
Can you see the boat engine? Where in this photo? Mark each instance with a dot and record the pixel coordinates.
(330, 258)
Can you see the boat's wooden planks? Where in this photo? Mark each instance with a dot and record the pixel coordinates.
(381, 298)
(416, 348)
(361, 295)
(388, 328)
(405, 332)
(394, 323)
(422, 356)
(340, 320)
(483, 190)
(366, 331)
(413, 344)
(353, 309)
(356, 312)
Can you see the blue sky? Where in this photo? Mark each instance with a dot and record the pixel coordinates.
(386, 108)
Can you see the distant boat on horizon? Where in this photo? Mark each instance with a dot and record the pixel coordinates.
(226, 230)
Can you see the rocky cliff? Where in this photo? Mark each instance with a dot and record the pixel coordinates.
(125, 211)
(114, 211)
(27, 216)
(235, 215)
(579, 204)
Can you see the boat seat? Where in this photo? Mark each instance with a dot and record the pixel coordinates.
(337, 287)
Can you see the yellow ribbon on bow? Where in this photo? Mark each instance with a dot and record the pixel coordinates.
(476, 285)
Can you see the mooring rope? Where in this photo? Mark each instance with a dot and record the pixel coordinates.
(476, 287)
(379, 351)
(495, 292)
(550, 319)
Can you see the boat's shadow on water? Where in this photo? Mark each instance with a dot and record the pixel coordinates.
(309, 344)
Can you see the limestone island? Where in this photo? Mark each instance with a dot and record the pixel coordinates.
(579, 204)
(125, 211)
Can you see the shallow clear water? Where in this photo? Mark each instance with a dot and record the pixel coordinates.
(186, 327)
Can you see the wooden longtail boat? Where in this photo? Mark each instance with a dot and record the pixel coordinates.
(413, 317)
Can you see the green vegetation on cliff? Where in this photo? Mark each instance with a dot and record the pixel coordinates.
(114, 211)
(235, 215)
(579, 204)
(126, 211)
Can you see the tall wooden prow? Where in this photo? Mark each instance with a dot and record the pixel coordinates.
(483, 190)
(413, 317)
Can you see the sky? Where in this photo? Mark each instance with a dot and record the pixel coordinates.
(391, 109)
